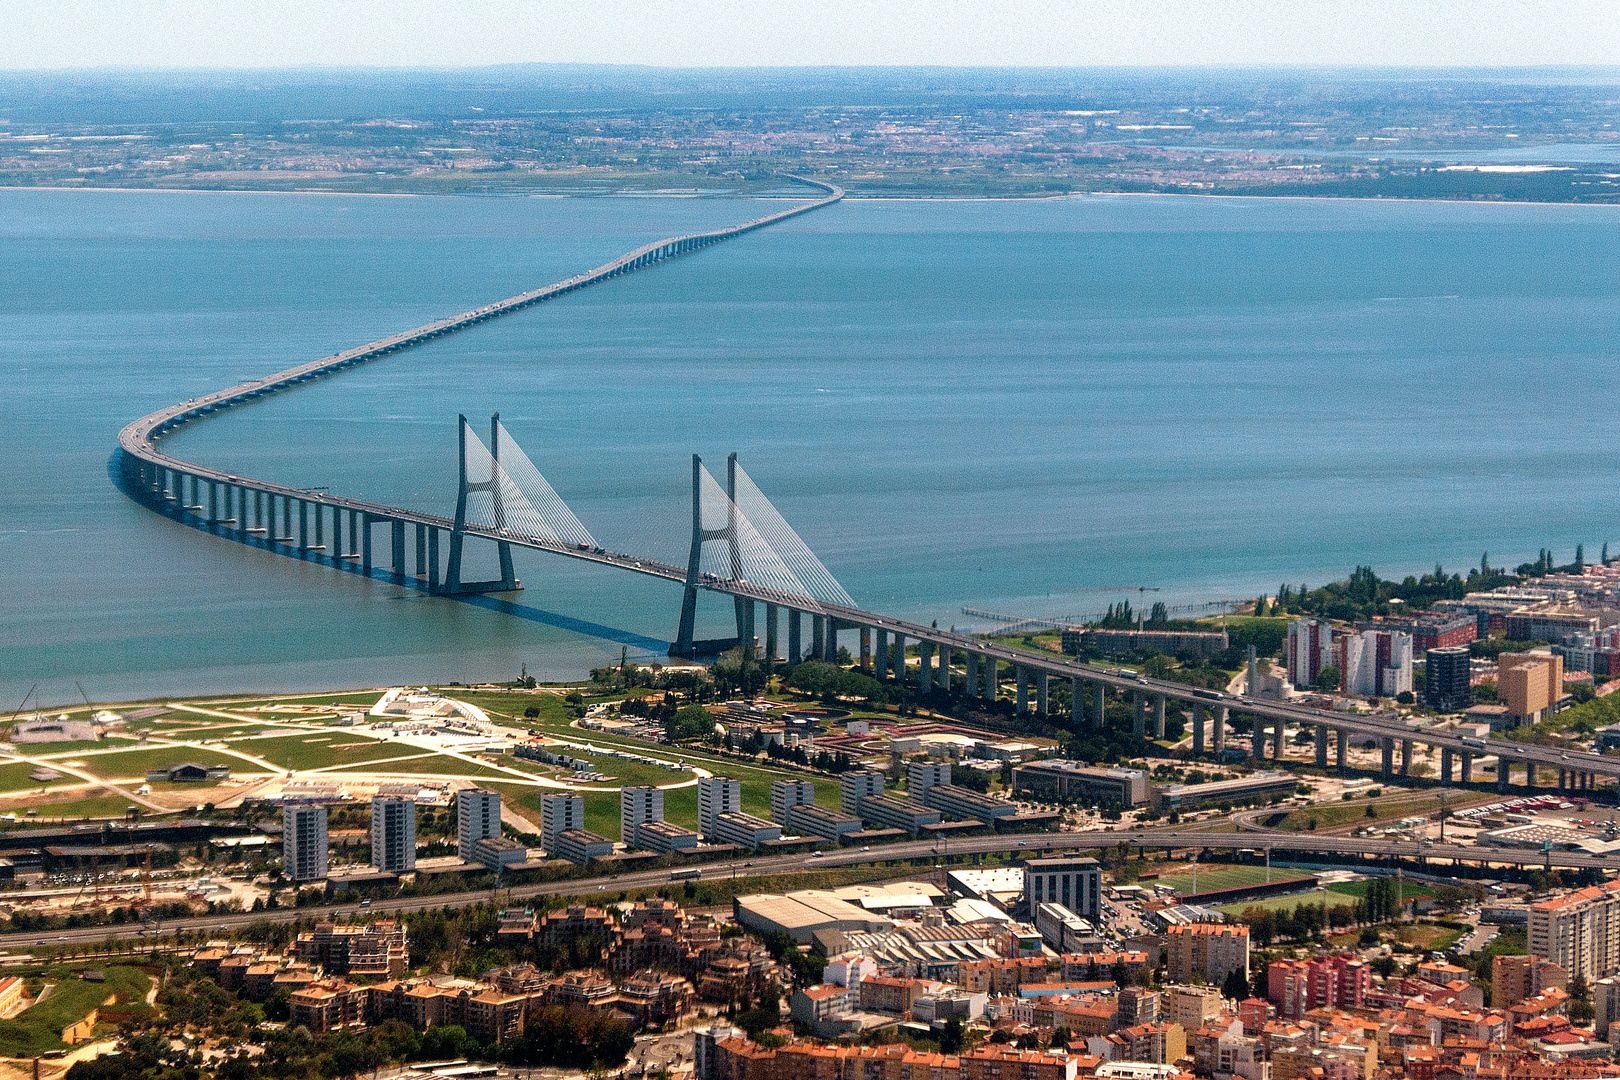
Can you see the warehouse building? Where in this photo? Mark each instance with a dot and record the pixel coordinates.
(801, 914)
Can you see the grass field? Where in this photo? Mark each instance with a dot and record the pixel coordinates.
(38, 1028)
(15, 778)
(1429, 937)
(431, 765)
(1280, 903)
(96, 807)
(1328, 815)
(1358, 889)
(67, 749)
(135, 763)
(317, 751)
(1219, 877)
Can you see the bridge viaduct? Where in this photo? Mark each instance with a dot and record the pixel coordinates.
(340, 532)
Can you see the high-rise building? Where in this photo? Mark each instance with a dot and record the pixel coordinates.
(858, 785)
(922, 775)
(393, 834)
(1514, 978)
(717, 795)
(1074, 883)
(560, 812)
(1579, 931)
(1208, 950)
(478, 817)
(1445, 679)
(786, 794)
(637, 807)
(1529, 684)
(1377, 663)
(303, 842)
(1310, 649)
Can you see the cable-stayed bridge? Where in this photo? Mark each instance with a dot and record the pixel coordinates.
(741, 547)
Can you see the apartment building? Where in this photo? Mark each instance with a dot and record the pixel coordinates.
(1210, 951)
(857, 786)
(303, 842)
(717, 795)
(638, 806)
(1579, 931)
(786, 794)
(478, 817)
(393, 834)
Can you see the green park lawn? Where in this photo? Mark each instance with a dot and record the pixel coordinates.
(38, 1028)
(107, 806)
(135, 763)
(319, 750)
(15, 778)
(1180, 877)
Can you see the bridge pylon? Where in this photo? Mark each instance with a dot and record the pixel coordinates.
(508, 581)
(684, 645)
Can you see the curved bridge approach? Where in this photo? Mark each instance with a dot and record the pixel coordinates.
(761, 561)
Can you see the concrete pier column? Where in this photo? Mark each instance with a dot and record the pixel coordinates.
(1467, 767)
(270, 519)
(1042, 701)
(1321, 746)
(1139, 714)
(433, 553)
(1504, 775)
(1562, 779)
(745, 626)
(945, 668)
(1388, 746)
(396, 544)
(303, 525)
(899, 658)
(925, 666)
(258, 511)
(1445, 765)
(1342, 749)
(1077, 702)
(881, 655)
(1218, 742)
(1406, 756)
(970, 674)
(1099, 705)
(213, 502)
(772, 620)
(866, 648)
(1198, 728)
(1158, 716)
(818, 630)
(830, 640)
(421, 546)
(793, 636)
(320, 528)
(992, 678)
(365, 547)
(338, 550)
(1257, 738)
(1280, 732)
(1021, 684)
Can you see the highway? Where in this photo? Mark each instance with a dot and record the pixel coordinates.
(1350, 845)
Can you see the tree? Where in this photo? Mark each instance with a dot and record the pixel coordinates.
(1406, 697)
(1328, 678)
(1580, 557)
(1236, 986)
(950, 1037)
(1260, 608)
(689, 722)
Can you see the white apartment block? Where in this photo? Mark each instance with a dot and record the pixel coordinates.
(1579, 931)
(478, 817)
(393, 834)
(858, 785)
(786, 794)
(638, 806)
(717, 795)
(303, 842)
(922, 775)
(559, 813)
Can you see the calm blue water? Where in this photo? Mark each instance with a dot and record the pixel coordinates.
(988, 404)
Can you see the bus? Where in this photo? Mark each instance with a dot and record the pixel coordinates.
(689, 874)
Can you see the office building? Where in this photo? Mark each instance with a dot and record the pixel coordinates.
(1210, 951)
(857, 786)
(922, 775)
(1310, 649)
(1257, 787)
(303, 842)
(717, 795)
(637, 807)
(1377, 663)
(786, 794)
(1074, 883)
(478, 817)
(1059, 780)
(393, 834)
(1445, 679)
(559, 813)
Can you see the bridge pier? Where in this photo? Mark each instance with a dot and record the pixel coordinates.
(1139, 714)
(992, 676)
(320, 528)
(398, 544)
(1219, 730)
(1321, 746)
(881, 671)
(970, 674)
(945, 668)
(1021, 678)
(1198, 729)
(1503, 774)
(1077, 702)
(303, 527)
(794, 636)
(773, 619)
(365, 548)
(1257, 739)
(1281, 734)
(1041, 694)
(1406, 756)
(1445, 765)
(1158, 716)
(433, 553)
(213, 503)
(925, 666)
(1467, 767)
(900, 658)
(818, 631)
(1388, 746)
(1341, 752)
(421, 546)
(745, 627)
(866, 648)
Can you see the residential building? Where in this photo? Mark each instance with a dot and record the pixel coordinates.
(638, 806)
(786, 794)
(1076, 883)
(1207, 950)
(717, 795)
(495, 852)
(1061, 781)
(1579, 931)
(478, 815)
(895, 814)
(1445, 679)
(560, 812)
(1191, 1007)
(857, 786)
(962, 804)
(303, 842)
(665, 837)
(377, 950)
(393, 834)
(1310, 649)
(581, 846)
(1431, 630)
(1515, 978)
(807, 819)
(922, 775)
(1529, 684)
(744, 830)
(814, 1004)
(1377, 663)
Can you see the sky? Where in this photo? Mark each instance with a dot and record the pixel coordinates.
(728, 33)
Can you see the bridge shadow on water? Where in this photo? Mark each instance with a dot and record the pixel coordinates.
(487, 601)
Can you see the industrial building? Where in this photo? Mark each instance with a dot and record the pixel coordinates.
(1061, 780)
(801, 914)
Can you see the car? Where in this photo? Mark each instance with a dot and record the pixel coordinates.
(1023, 843)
